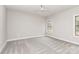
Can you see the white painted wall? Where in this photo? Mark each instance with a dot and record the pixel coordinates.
(3, 37)
(24, 25)
(63, 25)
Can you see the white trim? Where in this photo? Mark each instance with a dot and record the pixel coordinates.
(3, 46)
(74, 25)
(24, 38)
(64, 40)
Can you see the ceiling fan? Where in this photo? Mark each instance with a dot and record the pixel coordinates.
(43, 8)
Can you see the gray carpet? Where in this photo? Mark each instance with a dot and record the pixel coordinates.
(40, 45)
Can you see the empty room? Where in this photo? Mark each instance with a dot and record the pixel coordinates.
(39, 29)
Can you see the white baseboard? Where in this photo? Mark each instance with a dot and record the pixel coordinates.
(25, 38)
(64, 40)
(3, 46)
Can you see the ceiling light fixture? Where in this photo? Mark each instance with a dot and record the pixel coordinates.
(42, 7)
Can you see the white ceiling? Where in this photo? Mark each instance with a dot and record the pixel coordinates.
(35, 9)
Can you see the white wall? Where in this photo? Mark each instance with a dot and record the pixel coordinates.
(3, 37)
(63, 25)
(24, 25)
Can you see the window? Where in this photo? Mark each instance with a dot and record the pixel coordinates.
(77, 25)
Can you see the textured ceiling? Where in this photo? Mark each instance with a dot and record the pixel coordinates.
(35, 9)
